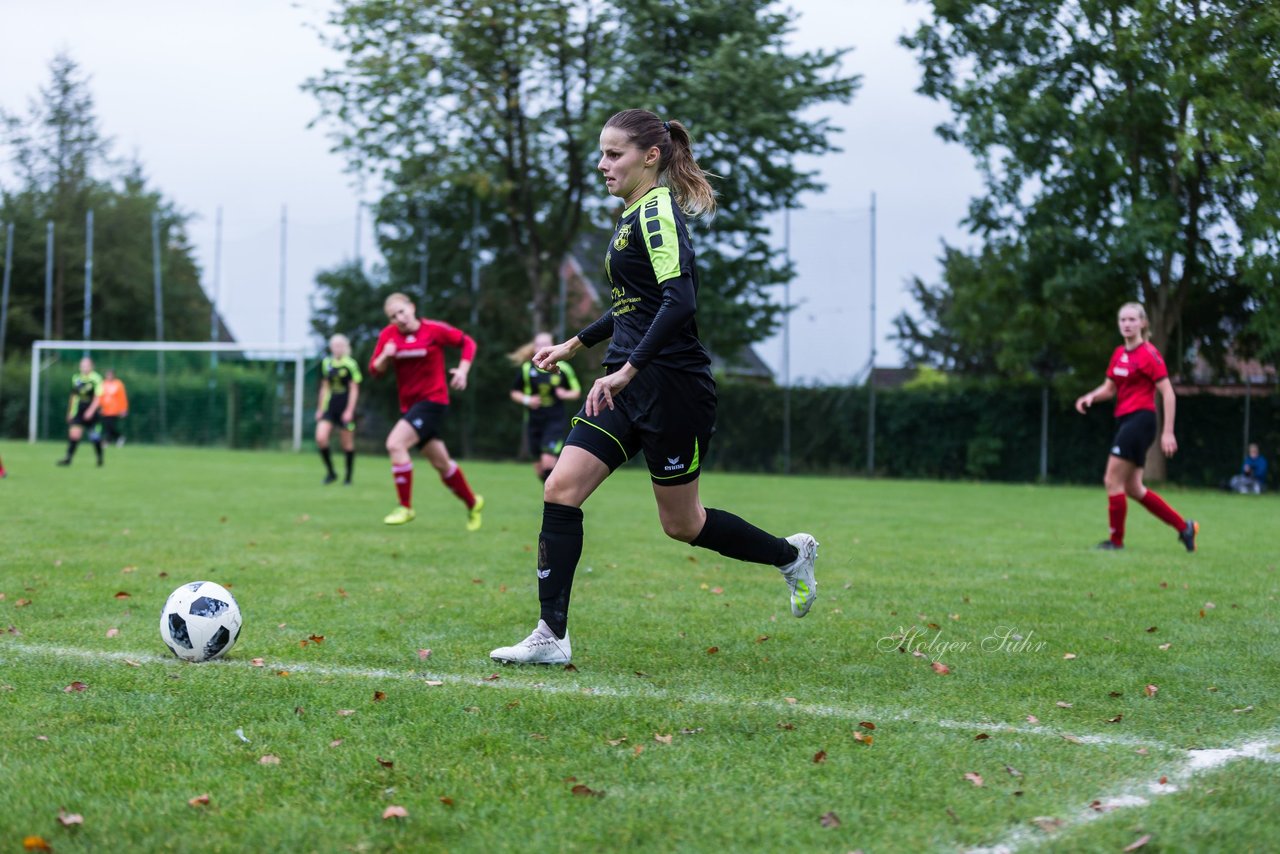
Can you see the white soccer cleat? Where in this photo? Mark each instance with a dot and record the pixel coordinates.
(541, 647)
(799, 574)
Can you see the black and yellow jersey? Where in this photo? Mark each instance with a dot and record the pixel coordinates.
(85, 387)
(653, 283)
(340, 373)
(532, 381)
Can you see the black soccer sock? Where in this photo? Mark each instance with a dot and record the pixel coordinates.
(97, 449)
(559, 548)
(351, 463)
(327, 456)
(737, 538)
(71, 447)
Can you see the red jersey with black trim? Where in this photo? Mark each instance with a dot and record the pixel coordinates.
(1135, 373)
(419, 359)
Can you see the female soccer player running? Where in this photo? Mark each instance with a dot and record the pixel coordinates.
(339, 392)
(542, 394)
(657, 395)
(416, 347)
(1135, 374)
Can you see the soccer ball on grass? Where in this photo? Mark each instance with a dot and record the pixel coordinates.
(200, 621)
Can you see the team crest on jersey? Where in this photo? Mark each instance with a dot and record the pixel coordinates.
(622, 237)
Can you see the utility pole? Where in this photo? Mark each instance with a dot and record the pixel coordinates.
(159, 300)
(786, 344)
(871, 373)
(88, 278)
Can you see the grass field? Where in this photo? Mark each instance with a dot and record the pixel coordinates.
(1092, 699)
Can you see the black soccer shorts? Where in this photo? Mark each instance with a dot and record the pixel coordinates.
(1134, 434)
(669, 414)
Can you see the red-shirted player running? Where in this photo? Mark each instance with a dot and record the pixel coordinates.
(1134, 376)
(416, 346)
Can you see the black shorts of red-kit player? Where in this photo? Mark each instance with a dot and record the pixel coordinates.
(1134, 434)
(427, 419)
(559, 549)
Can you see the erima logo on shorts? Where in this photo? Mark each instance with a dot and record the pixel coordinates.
(674, 464)
(417, 422)
(543, 573)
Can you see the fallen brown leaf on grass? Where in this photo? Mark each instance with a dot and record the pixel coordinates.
(829, 819)
(982, 736)
(1165, 645)
(1071, 739)
(1069, 656)
(712, 650)
(819, 757)
(385, 763)
(1150, 630)
(35, 843)
(122, 595)
(335, 742)
(1032, 719)
(788, 725)
(269, 759)
(66, 819)
(346, 713)
(257, 662)
(1117, 719)
(1137, 843)
(492, 677)
(585, 792)
(973, 777)
(1013, 772)
(112, 632)
(1047, 823)
(940, 668)
(22, 603)
(1150, 690)
(571, 668)
(1242, 711)
(717, 590)
(1164, 780)
(199, 801)
(790, 700)
(424, 654)
(433, 683)
(379, 696)
(316, 638)
(690, 730)
(129, 662)
(866, 724)
(662, 739)
(614, 742)
(637, 750)
(1063, 704)
(75, 687)
(862, 739)
(446, 800)
(762, 638)
(394, 812)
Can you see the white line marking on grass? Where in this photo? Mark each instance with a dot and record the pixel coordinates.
(1137, 793)
(776, 706)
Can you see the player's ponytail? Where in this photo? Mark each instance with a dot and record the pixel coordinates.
(677, 167)
(522, 354)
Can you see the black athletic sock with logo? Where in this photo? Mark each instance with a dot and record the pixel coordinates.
(71, 448)
(735, 537)
(351, 464)
(559, 548)
(327, 456)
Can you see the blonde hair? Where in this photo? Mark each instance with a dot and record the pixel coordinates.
(677, 167)
(525, 351)
(340, 341)
(1142, 315)
(396, 297)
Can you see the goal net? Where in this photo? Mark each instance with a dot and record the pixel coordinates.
(201, 393)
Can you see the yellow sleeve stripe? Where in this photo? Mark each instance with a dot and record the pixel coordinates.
(658, 226)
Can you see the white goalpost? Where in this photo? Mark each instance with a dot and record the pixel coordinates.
(217, 381)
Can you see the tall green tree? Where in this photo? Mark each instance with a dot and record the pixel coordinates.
(1127, 147)
(62, 169)
(483, 120)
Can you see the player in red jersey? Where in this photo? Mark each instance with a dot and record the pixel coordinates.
(1135, 374)
(416, 347)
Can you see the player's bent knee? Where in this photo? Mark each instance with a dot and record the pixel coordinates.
(679, 529)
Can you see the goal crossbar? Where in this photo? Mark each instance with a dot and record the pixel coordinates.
(282, 352)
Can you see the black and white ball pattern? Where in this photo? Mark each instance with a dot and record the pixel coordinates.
(200, 621)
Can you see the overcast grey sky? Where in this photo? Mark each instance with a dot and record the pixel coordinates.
(206, 95)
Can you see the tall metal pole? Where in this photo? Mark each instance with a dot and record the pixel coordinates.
(48, 280)
(217, 284)
(4, 295)
(426, 257)
(871, 373)
(88, 278)
(359, 217)
(159, 300)
(284, 223)
(786, 344)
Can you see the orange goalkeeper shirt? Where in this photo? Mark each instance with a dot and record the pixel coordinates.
(114, 400)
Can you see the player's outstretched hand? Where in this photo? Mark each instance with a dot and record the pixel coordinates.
(458, 377)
